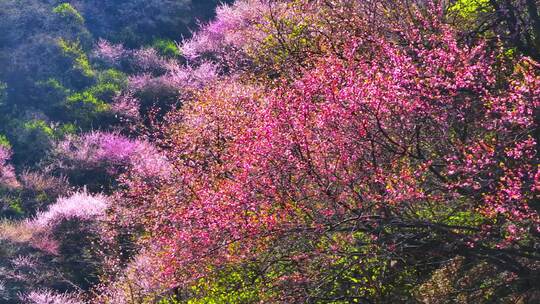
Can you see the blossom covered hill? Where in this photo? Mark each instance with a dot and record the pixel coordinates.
(286, 152)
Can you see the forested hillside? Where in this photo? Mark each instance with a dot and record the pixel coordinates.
(259, 151)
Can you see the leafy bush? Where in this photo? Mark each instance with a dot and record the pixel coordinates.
(166, 48)
(7, 172)
(68, 12)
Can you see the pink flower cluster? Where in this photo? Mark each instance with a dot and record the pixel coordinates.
(39, 231)
(369, 133)
(126, 106)
(46, 296)
(187, 77)
(79, 206)
(7, 172)
(108, 52)
(231, 29)
(140, 281)
(112, 151)
(148, 60)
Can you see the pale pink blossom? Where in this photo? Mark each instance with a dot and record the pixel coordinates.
(7, 171)
(80, 206)
(45, 296)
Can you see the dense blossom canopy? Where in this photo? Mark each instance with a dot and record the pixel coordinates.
(397, 148)
(305, 151)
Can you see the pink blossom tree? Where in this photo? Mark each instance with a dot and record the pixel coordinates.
(111, 152)
(7, 172)
(392, 151)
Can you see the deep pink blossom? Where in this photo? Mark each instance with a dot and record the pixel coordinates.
(394, 138)
(357, 135)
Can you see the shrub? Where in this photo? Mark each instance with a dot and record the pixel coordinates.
(67, 11)
(80, 206)
(166, 48)
(7, 172)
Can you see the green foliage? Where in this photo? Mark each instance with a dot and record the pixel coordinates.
(86, 103)
(53, 84)
(39, 126)
(4, 142)
(469, 8)
(465, 218)
(114, 77)
(295, 40)
(279, 50)
(89, 106)
(358, 271)
(15, 206)
(450, 216)
(52, 92)
(110, 83)
(67, 11)
(231, 285)
(66, 129)
(166, 48)
(37, 135)
(31, 139)
(74, 51)
(103, 91)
